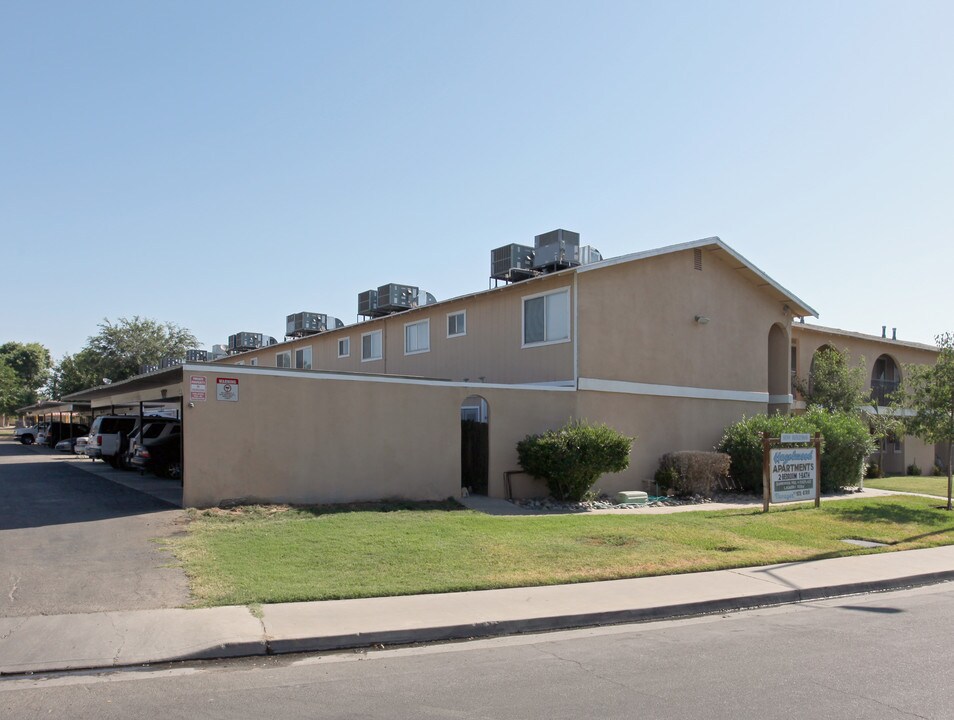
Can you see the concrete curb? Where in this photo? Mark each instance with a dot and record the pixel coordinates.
(566, 622)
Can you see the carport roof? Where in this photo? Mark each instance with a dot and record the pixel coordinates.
(157, 379)
(54, 406)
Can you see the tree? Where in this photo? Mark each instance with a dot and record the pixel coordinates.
(885, 422)
(119, 350)
(834, 383)
(30, 364)
(929, 392)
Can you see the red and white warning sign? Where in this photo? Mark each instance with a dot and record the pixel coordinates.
(198, 388)
(226, 389)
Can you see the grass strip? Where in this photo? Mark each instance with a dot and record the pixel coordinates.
(269, 554)
(915, 484)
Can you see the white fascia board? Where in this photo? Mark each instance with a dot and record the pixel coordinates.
(678, 391)
(557, 386)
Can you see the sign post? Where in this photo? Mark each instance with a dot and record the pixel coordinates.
(791, 472)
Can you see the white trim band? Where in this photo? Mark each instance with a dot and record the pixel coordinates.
(679, 391)
(781, 399)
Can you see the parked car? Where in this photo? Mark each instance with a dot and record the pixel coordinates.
(41, 436)
(27, 435)
(61, 431)
(108, 435)
(155, 427)
(66, 445)
(160, 450)
(79, 444)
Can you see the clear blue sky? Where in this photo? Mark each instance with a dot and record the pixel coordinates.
(223, 164)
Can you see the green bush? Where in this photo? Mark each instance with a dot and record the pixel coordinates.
(742, 442)
(873, 471)
(691, 472)
(574, 457)
(937, 470)
(846, 443)
(914, 469)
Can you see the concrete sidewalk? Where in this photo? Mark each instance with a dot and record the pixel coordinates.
(113, 639)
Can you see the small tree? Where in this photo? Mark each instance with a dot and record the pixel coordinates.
(885, 422)
(833, 382)
(929, 392)
(574, 457)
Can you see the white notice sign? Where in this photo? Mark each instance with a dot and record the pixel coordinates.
(793, 474)
(198, 388)
(226, 389)
(796, 437)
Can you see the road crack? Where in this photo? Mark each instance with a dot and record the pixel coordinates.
(873, 700)
(13, 590)
(582, 667)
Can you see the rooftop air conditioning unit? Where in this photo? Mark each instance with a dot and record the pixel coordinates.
(512, 262)
(169, 361)
(392, 298)
(143, 369)
(197, 355)
(219, 351)
(556, 236)
(308, 323)
(368, 303)
(240, 342)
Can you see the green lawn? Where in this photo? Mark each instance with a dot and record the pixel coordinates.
(266, 555)
(907, 483)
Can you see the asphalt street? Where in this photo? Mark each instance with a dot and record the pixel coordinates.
(73, 542)
(879, 656)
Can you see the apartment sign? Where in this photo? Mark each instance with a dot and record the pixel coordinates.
(793, 474)
(227, 389)
(198, 388)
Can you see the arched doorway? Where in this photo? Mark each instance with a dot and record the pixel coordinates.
(779, 377)
(475, 445)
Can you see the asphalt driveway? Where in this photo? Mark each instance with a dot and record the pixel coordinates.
(72, 542)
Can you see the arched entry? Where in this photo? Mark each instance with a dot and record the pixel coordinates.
(475, 444)
(779, 378)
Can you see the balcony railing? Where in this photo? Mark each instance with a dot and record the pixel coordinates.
(881, 390)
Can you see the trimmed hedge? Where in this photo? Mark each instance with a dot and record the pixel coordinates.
(845, 445)
(692, 472)
(574, 457)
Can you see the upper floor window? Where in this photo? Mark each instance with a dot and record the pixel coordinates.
(417, 337)
(253, 361)
(303, 358)
(546, 318)
(371, 346)
(344, 347)
(283, 359)
(457, 323)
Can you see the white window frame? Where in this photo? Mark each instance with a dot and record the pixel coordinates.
(253, 362)
(311, 357)
(372, 358)
(523, 319)
(426, 322)
(347, 343)
(463, 314)
(286, 354)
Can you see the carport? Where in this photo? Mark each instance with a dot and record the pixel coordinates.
(143, 394)
(50, 410)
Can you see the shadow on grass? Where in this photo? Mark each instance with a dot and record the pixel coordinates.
(893, 513)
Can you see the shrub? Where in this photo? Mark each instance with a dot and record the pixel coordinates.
(574, 457)
(846, 443)
(937, 470)
(873, 471)
(690, 472)
(742, 441)
(914, 469)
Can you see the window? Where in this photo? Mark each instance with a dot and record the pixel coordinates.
(546, 318)
(371, 348)
(417, 337)
(253, 362)
(457, 324)
(283, 359)
(303, 358)
(344, 347)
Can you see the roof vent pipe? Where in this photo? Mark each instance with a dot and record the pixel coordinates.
(884, 331)
(894, 333)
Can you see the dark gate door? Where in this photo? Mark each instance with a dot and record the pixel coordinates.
(474, 456)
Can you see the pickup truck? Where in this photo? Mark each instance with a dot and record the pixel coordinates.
(27, 435)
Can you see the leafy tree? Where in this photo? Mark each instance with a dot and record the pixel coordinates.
(929, 392)
(834, 383)
(118, 350)
(30, 364)
(885, 422)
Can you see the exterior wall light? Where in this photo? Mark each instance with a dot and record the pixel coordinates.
(702, 319)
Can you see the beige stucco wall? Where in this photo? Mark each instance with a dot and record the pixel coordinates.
(660, 425)
(491, 348)
(305, 437)
(637, 323)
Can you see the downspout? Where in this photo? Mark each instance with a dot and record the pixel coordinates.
(576, 332)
